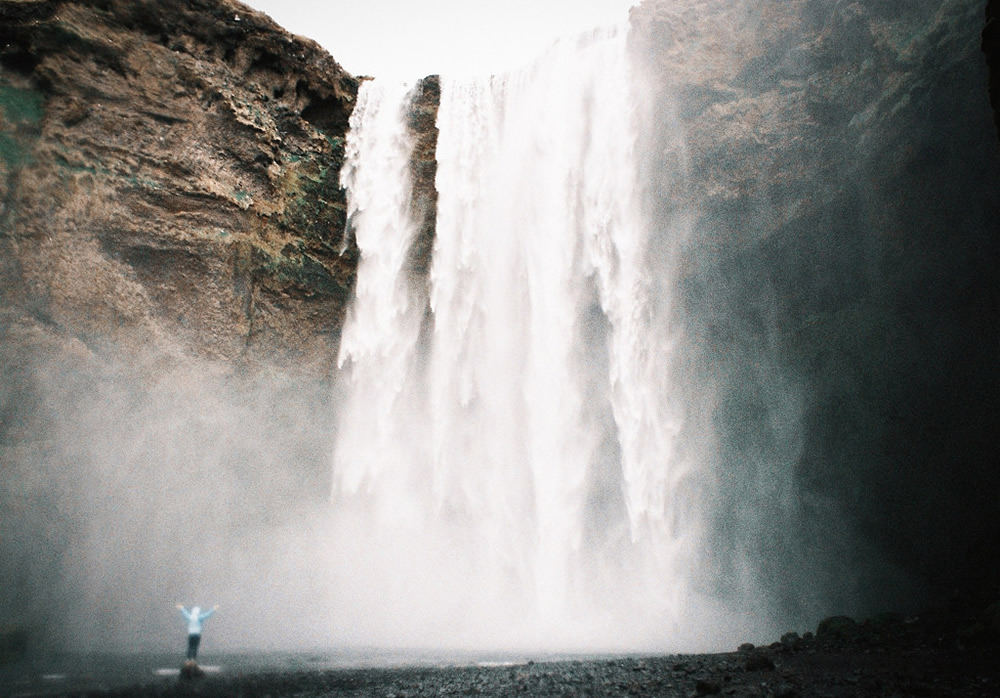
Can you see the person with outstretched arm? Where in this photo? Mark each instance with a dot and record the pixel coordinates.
(196, 619)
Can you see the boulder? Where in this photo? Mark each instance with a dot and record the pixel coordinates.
(190, 670)
(836, 627)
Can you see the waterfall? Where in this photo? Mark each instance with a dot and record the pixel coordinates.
(379, 341)
(506, 461)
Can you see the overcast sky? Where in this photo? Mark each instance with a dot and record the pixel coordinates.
(409, 39)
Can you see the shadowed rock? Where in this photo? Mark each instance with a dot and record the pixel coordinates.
(190, 670)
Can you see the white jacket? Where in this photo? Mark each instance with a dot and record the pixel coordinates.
(195, 618)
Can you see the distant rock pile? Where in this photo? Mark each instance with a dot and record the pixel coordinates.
(190, 670)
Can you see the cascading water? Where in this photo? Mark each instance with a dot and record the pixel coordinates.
(384, 320)
(508, 474)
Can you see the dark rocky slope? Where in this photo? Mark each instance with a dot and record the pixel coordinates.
(991, 47)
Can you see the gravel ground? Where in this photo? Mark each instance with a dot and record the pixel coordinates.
(935, 655)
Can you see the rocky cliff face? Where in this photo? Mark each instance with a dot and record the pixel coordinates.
(835, 166)
(170, 179)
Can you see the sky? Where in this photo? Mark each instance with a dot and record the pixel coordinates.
(409, 39)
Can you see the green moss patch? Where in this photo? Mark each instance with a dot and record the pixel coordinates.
(12, 152)
(298, 272)
(21, 105)
(21, 110)
(317, 208)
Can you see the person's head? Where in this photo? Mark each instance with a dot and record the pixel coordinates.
(196, 610)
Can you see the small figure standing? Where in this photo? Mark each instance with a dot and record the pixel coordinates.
(195, 618)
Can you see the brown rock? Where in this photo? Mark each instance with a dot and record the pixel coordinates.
(758, 661)
(170, 178)
(191, 670)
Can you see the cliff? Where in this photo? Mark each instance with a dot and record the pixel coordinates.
(170, 179)
(835, 166)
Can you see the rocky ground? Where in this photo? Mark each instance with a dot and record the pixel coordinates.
(936, 654)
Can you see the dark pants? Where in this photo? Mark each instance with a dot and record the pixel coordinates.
(193, 641)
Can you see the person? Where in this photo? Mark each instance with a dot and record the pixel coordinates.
(196, 619)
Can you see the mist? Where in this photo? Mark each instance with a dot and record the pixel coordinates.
(159, 482)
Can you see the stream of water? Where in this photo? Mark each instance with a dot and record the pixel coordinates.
(512, 438)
